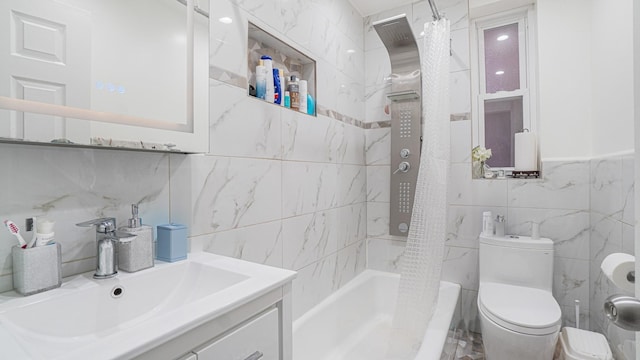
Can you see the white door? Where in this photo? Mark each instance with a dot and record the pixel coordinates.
(45, 56)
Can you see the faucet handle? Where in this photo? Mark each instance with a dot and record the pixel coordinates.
(103, 225)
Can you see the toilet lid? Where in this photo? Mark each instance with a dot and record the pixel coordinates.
(521, 309)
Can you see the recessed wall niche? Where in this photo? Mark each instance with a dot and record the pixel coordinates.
(285, 57)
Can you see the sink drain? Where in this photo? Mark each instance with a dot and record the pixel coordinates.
(117, 292)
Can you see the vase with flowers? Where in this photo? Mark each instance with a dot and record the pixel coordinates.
(479, 155)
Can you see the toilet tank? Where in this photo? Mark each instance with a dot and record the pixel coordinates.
(517, 260)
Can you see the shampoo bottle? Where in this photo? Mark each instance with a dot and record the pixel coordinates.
(311, 105)
(277, 96)
(136, 253)
(294, 94)
(261, 81)
(283, 86)
(287, 99)
(268, 65)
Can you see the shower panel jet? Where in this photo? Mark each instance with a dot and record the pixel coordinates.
(406, 115)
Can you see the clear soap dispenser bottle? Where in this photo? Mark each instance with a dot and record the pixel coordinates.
(136, 253)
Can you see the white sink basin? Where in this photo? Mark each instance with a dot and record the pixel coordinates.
(130, 313)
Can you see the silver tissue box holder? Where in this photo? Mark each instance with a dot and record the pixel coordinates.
(37, 269)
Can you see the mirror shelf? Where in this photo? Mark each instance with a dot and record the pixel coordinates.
(88, 146)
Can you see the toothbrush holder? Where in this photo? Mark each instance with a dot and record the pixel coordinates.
(37, 269)
(172, 244)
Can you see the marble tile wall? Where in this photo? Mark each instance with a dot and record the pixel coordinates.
(612, 230)
(277, 186)
(69, 186)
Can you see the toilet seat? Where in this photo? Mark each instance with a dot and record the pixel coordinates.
(520, 309)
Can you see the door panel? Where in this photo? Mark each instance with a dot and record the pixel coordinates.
(49, 48)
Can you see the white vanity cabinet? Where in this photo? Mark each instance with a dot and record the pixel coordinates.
(261, 329)
(256, 340)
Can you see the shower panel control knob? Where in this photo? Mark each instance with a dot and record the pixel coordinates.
(403, 166)
(404, 153)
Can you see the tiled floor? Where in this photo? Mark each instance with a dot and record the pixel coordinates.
(463, 345)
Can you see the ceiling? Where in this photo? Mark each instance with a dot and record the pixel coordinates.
(370, 7)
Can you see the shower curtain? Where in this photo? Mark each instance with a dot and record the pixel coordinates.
(422, 260)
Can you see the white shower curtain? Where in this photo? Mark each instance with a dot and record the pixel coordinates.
(424, 252)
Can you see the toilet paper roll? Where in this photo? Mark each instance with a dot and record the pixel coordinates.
(616, 267)
(526, 152)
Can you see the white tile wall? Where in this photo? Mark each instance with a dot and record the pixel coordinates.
(612, 230)
(378, 146)
(69, 186)
(298, 180)
(261, 243)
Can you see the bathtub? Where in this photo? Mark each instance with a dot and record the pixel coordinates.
(354, 322)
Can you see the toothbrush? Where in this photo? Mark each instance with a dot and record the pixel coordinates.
(13, 228)
(32, 243)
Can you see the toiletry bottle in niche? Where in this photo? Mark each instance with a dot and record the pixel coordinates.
(268, 65)
(311, 105)
(283, 86)
(287, 99)
(294, 92)
(277, 96)
(136, 253)
(302, 95)
(261, 81)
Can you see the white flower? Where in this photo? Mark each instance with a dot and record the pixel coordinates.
(481, 154)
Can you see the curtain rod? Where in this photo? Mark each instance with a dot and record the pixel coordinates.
(434, 10)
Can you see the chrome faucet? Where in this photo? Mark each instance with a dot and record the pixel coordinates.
(106, 236)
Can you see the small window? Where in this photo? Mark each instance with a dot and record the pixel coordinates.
(502, 82)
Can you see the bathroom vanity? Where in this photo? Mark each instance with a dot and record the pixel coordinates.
(206, 307)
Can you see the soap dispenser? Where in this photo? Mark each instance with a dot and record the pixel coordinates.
(136, 253)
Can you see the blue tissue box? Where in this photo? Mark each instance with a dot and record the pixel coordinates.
(172, 243)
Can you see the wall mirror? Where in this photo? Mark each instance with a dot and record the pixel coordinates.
(116, 73)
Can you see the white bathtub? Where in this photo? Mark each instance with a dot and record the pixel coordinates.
(354, 322)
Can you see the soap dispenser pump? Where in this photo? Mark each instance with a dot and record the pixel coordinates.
(136, 253)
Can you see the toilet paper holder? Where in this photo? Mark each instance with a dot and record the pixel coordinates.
(631, 277)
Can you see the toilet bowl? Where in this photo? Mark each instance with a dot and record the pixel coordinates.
(519, 317)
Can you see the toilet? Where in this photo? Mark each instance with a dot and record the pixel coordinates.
(519, 317)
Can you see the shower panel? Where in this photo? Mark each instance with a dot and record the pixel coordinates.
(406, 113)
